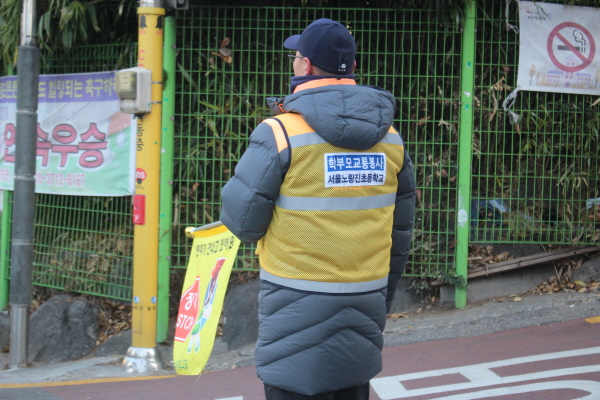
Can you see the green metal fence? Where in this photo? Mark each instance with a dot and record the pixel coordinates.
(82, 244)
(92, 58)
(534, 181)
(231, 59)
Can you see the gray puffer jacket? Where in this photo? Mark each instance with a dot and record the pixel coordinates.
(310, 342)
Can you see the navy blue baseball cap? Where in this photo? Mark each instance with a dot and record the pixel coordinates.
(327, 44)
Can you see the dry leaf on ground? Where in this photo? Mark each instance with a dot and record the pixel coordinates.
(225, 51)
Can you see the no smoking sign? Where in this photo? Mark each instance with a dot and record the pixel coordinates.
(571, 47)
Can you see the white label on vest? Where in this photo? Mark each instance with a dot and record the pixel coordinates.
(354, 169)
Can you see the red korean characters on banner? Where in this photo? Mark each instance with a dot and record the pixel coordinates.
(8, 137)
(65, 142)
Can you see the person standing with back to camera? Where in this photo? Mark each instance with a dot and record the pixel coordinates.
(327, 189)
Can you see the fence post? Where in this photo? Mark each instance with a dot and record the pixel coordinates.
(166, 180)
(5, 228)
(465, 149)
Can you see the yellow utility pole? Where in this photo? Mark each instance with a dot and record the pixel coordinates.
(142, 355)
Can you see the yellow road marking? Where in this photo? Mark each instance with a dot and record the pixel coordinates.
(593, 320)
(82, 382)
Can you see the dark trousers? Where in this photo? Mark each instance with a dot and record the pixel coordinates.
(351, 393)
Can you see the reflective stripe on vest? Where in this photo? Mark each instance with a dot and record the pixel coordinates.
(278, 133)
(325, 287)
(334, 203)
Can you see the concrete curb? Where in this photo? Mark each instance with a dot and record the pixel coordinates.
(426, 325)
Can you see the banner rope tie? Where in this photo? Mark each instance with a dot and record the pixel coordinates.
(508, 24)
(508, 103)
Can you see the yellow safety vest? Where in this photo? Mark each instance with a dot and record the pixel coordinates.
(332, 222)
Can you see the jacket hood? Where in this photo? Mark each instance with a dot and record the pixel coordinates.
(345, 115)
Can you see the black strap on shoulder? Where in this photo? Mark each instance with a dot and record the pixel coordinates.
(286, 167)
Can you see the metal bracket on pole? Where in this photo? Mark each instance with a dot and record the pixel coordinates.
(140, 360)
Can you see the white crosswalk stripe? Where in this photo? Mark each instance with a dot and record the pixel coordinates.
(480, 375)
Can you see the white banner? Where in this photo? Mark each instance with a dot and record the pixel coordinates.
(85, 145)
(559, 48)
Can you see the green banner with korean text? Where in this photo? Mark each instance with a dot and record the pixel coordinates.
(85, 145)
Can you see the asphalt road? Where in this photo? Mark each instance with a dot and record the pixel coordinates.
(550, 361)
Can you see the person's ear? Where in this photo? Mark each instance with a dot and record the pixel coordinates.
(308, 68)
(353, 67)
